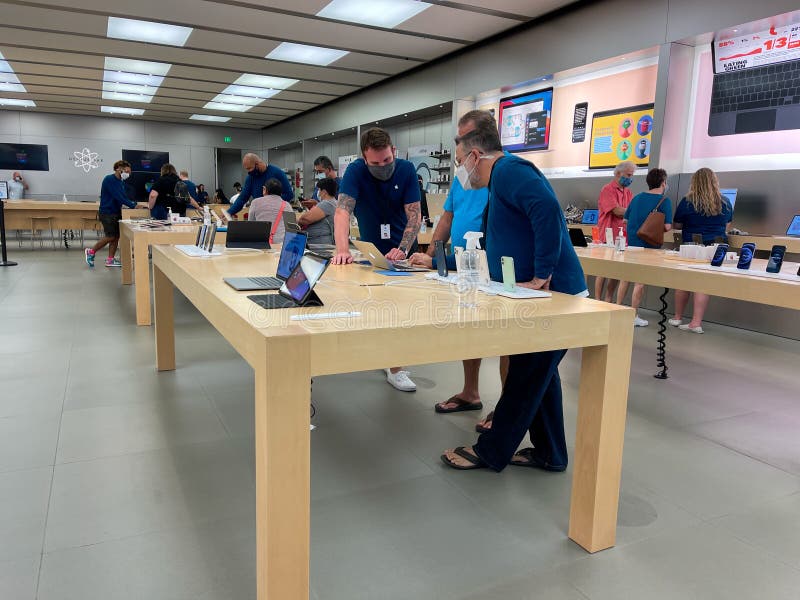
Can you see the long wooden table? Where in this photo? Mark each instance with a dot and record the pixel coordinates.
(64, 215)
(136, 241)
(659, 269)
(395, 321)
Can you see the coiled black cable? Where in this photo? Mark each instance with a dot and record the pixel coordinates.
(661, 353)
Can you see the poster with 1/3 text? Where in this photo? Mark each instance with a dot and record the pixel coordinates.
(621, 134)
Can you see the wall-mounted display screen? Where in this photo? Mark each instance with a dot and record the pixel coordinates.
(756, 49)
(146, 161)
(525, 121)
(24, 157)
(620, 135)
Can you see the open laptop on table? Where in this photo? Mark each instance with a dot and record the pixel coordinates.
(298, 289)
(290, 221)
(248, 234)
(577, 237)
(379, 261)
(294, 245)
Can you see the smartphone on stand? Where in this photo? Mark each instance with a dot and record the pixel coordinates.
(441, 259)
(746, 255)
(719, 255)
(211, 238)
(509, 276)
(775, 261)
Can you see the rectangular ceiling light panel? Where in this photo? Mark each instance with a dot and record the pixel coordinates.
(9, 82)
(213, 105)
(16, 102)
(122, 110)
(147, 31)
(213, 118)
(247, 91)
(132, 80)
(307, 55)
(379, 13)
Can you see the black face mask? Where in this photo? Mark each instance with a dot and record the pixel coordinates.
(254, 172)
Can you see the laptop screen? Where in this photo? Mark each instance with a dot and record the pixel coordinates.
(294, 244)
(590, 216)
(794, 227)
(730, 194)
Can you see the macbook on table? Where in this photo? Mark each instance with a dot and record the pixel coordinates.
(294, 245)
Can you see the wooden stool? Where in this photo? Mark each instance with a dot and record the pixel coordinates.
(36, 225)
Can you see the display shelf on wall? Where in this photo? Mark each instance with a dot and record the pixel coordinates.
(444, 167)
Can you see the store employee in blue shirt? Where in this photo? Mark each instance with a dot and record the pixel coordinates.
(524, 221)
(258, 172)
(383, 193)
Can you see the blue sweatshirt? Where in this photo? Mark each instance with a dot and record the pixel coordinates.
(113, 196)
(253, 187)
(525, 222)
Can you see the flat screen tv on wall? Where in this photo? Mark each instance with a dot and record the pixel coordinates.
(525, 121)
(24, 157)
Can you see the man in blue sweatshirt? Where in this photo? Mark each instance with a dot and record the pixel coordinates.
(523, 220)
(113, 197)
(258, 172)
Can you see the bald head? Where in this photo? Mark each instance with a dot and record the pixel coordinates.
(475, 119)
(251, 160)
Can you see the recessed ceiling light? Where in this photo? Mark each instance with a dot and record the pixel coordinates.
(147, 31)
(254, 93)
(309, 55)
(122, 110)
(214, 118)
(127, 65)
(127, 97)
(16, 102)
(380, 13)
(265, 81)
(9, 82)
(214, 105)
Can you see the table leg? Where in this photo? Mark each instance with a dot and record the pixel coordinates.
(283, 469)
(126, 256)
(602, 405)
(662, 343)
(141, 275)
(165, 321)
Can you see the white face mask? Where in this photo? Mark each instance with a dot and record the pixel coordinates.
(464, 176)
(319, 176)
(124, 175)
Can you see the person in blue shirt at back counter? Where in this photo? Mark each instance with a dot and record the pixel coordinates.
(258, 172)
(635, 215)
(113, 197)
(524, 221)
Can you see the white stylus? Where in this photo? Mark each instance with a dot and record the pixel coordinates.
(337, 315)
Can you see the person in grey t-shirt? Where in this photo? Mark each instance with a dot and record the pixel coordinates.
(318, 221)
(17, 187)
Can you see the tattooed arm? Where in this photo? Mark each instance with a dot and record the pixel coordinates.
(341, 229)
(414, 214)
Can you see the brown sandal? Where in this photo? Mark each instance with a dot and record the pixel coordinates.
(480, 428)
(460, 405)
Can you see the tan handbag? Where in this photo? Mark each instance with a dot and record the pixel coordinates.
(652, 230)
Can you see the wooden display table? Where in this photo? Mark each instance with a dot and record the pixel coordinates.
(654, 267)
(64, 215)
(135, 242)
(395, 328)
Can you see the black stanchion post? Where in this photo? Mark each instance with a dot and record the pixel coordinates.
(5, 262)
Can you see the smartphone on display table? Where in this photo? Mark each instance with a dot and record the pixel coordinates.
(441, 259)
(776, 259)
(304, 277)
(746, 255)
(509, 276)
(719, 255)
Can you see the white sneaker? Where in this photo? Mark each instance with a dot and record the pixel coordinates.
(638, 322)
(401, 381)
(675, 322)
(692, 329)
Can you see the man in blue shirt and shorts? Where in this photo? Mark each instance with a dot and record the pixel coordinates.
(383, 193)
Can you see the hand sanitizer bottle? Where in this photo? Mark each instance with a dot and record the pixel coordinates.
(469, 270)
(621, 241)
(64, 199)
(169, 216)
(206, 216)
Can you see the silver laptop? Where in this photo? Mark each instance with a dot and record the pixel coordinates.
(379, 261)
(290, 221)
(294, 245)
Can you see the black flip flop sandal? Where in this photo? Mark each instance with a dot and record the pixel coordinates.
(461, 405)
(480, 428)
(534, 462)
(476, 463)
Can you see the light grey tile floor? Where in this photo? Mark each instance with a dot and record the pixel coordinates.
(120, 482)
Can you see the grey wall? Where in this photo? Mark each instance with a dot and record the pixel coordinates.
(189, 146)
(229, 170)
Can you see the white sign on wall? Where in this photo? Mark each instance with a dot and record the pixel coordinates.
(344, 162)
(86, 159)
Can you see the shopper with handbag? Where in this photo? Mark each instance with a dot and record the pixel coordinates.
(648, 216)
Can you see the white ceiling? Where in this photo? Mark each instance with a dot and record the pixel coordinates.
(57, 49)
